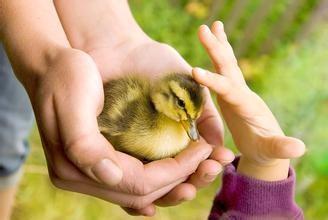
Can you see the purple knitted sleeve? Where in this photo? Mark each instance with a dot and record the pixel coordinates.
(243, 197)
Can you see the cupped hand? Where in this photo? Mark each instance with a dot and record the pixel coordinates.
(264, 147)
(151, 58)
(66, 101)
(118, 46)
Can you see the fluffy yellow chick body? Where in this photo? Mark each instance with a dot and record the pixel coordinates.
(151, 119)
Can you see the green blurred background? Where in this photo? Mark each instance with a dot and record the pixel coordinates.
(282, 46)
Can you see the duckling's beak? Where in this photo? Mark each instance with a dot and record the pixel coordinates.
(191, 128)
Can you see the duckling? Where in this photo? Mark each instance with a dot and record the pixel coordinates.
(151, 120)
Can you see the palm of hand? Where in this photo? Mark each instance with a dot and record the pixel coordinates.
(146, 57)
(152, 59)
(251, 123)
(66, 103)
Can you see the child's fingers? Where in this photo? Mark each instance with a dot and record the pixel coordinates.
(210, 43)
(218, 30)
(282, 147)
(216, 44)
(222, 85)
(216, 82)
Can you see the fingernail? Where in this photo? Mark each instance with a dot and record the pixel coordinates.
(220, 24)
(226, 162)
(212, 176)
(185, 199)
(206, 28)
(229, 158)
(107, 172)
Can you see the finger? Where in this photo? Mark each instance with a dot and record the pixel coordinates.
(218, 83)
(135, 202)
(163, 172)
(211, 45)
(210, 124)
(282, 147)
(223, 155)
(220, 52)
(181, 193)
(145, 179)
(227, 90)
(77, 107)
(218, 31)
(206, 173)
(147, 211)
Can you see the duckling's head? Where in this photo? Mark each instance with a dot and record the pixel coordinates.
(179, 97)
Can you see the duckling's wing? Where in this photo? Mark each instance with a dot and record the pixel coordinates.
(120, 95)
(108, 128)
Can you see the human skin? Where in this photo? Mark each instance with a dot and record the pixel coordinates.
(265, 150)
(134, 52)
(7, 196)
(65, 89)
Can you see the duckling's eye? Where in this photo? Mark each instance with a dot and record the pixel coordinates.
(181, 103)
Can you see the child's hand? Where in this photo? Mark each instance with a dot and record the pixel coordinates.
(264, 147)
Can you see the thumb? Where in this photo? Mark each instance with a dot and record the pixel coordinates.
(283, 147)
(95, 156)
(77, 107)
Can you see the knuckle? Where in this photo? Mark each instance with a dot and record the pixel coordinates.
(225, 90)
(137, 182)
(141, 189)
(132, 187)
(73, 148)
(146, 189)
(76, 151)
(138, 187)
(138, 203)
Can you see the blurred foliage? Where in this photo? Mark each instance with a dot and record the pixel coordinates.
(293, 81)
(183, 17)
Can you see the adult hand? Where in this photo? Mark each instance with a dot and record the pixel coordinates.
(141, 55)
(264, 147)
(153, 59)
(65, 88)
(66, 100)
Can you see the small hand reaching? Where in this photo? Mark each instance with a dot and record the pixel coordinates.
(264, 147)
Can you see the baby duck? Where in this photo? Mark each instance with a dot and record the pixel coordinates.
(151, 120)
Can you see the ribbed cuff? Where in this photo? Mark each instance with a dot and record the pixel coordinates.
(248, 198)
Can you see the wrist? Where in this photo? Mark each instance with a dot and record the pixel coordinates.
(57, 63)
(274, 170)
(32, 36)
(113, 20)
(29, 64)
